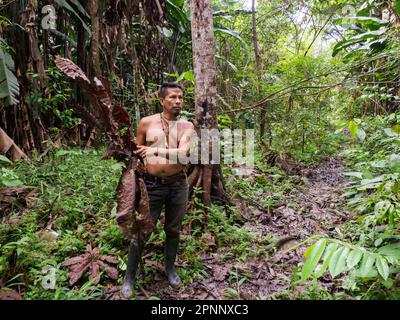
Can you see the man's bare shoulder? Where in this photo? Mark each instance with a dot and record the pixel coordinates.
(149, 119)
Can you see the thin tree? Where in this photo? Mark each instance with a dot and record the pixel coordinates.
(207, 176)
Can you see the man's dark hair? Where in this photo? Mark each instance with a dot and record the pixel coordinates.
(165, 86)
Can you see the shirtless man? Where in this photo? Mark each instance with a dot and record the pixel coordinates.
(163, 140)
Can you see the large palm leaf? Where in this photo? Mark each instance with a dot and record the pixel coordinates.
(9, 87)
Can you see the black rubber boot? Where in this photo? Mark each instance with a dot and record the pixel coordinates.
(171, 248)
(134, 256)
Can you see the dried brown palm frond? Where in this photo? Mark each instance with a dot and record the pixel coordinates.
(133, 213)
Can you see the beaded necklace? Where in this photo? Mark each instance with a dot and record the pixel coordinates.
(165, 128)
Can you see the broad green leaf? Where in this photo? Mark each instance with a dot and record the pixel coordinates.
(388, 283)
(176, 16)
(165, 31)
(234, 68)
(340, 127)
(11, 183)
(361, 134)
(379, 164)
(366, 264)
(9, 86)
(188, 76)
(231, 293)
(330, 249)
(354, 174)
(396, 128)
(308, 251)
(354, 258)
(231, 33)
(394, 160)
(382, 207)
(353, 128)
(63, 152)
(389, 132)
(5, 159)
(65, 4)
(372, 181)
(313, 258)
(371, 22)
(338, 261)
(360, 38)
(382, 266)
(378, 242)
(391, 250)
(117, 166)
(80, 8)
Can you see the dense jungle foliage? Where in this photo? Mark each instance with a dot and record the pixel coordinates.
(318, 81)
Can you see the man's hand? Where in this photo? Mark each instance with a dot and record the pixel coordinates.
(144, 151)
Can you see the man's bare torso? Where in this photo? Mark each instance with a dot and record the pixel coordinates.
(154, 135)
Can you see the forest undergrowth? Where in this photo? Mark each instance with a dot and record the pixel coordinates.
(345, 205)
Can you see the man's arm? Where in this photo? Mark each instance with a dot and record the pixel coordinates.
(141, 132)
(173, 153)
(184, 145)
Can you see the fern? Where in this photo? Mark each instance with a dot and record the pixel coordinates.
(340, 257)
(9, 87)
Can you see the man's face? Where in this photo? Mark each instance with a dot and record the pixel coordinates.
(173, 101)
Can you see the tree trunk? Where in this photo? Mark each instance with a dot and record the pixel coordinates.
(93, 8)
(258, 68)
(208, 176)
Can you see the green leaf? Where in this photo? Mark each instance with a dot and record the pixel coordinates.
(370, 22)
(353, 128)
(358, 175)
(391, 250)
(388, 283)
(389, 132)
(4, 159)
(117, 166)
(382, 207)
(361, 134)
(234, 68)
(165, 31)
(331, 248)
(80, 8)
(188, 76)
(382, 266)
(380, 178)
(394, 160)
(11, 183)
(338, 261)
(313, 259)
(366, 264)
(354, 258)
(308, 251)
(231, 33)
(63, 152)
(396, 128)
(9, 86)
(340, 127)
(65, 4)
(231, 293)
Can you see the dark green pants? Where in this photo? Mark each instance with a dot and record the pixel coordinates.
(174, 195)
